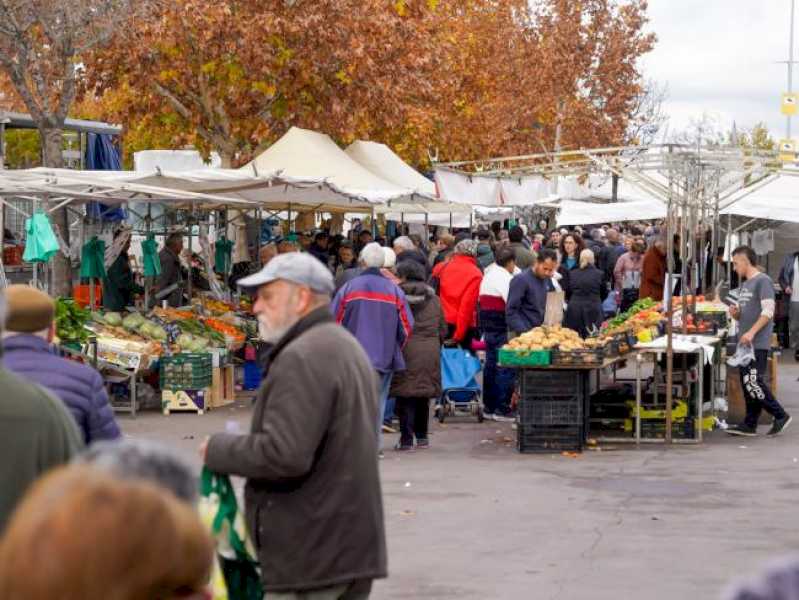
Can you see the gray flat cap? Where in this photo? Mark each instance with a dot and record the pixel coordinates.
(302, 269)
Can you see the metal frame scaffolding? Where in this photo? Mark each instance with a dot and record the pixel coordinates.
(695, 182)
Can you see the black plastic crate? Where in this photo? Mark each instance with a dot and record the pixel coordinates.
(543, 439)
(186, 371)
(680, 430)
(551, 410)
(592, 357)
(541, 382)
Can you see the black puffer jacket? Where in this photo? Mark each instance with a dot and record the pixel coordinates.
(422, 375)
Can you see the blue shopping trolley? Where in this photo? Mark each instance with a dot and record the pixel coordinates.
(460, 389)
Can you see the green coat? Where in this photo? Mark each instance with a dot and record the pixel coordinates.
(120, 286)
(37, 433)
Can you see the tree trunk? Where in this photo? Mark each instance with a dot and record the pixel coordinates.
(226, 158)
(52, 143)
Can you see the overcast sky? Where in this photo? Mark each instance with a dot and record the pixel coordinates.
(720, 57)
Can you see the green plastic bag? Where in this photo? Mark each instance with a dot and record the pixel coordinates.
(224, 249)
(219, 509)
(92, 259)
(152, 262)
(41, 243)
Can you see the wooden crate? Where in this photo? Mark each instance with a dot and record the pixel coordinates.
(223, 391)
(185, 401)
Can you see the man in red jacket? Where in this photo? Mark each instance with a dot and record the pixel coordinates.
(459, 285)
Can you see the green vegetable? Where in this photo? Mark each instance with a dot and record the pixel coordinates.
(70, 321)
(113, 318)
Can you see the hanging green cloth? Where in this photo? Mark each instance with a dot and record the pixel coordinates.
(240, 571)
(41, 243)
(92, 259)
(152, 262)
(224, 250)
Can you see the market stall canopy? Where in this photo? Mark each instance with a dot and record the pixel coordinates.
(310, 156)
(573, 212)
(776, 199)
(383, 162)
(147, 161)
(510, 191)
(207, 188)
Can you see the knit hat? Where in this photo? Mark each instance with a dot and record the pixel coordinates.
(28, 310)
(467, 247)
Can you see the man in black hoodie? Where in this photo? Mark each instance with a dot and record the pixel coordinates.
(319, 248)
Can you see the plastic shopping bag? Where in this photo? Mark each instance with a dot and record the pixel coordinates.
(238, 575)
(742, 357)
(41, 243)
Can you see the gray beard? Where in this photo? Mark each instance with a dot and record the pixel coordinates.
(272, 335)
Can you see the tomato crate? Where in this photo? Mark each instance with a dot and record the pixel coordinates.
(186, 371)
(549, 439)
(524, 358)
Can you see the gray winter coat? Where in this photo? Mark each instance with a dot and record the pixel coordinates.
(313, 502)
(422, 375)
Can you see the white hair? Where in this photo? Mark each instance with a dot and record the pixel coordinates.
(390, 258)
(372, 256)
(403, 243)
(586, 258)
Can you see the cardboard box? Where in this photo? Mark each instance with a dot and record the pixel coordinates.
(185, 400)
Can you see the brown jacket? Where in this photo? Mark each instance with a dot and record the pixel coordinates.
(313, 500)
(653, 275)
(422, 375)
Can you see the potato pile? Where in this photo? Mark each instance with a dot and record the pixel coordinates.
(547, 338)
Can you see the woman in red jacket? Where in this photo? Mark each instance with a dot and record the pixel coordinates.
(459, 285)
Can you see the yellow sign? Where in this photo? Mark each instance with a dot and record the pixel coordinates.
(787, 150)
(789, 104)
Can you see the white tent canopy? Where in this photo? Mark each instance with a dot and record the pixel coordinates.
(777, 200)
(383, 162)
(311, 156)
(573, 212)
(520, 191)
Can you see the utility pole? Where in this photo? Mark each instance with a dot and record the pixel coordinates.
(790, 70)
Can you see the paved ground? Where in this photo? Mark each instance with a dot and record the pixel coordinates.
(470, 518)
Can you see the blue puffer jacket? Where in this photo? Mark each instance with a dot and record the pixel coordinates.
(79, 386)
(376, 312)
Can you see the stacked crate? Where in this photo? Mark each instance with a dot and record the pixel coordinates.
(186, 379)
(551, 410)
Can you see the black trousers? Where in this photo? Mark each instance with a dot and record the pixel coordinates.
(414, 414)
(757, 394)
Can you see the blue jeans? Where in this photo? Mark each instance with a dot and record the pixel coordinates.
(388, 414)
(385, 389)
(498, 383)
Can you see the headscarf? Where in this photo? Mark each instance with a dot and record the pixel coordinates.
(466, 247)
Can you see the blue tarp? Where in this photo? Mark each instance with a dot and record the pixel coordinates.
(103, 155)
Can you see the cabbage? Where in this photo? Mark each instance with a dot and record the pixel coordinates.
(184, 339)
(201, 343)
(158, 333)
(132, 321)
(113, 318)
(146, 328)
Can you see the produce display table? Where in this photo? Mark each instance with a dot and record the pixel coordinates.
(554, 405)
(706, 348)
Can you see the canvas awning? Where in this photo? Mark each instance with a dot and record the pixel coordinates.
(383, 162)
(310, 156)
(573, 212)
(775, 199)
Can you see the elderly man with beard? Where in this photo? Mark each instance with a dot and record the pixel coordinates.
(313, 502)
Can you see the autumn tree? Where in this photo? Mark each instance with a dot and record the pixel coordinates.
(41, 43)
(239, 73)
(468, 78)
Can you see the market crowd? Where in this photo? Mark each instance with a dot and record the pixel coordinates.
(353, 329)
